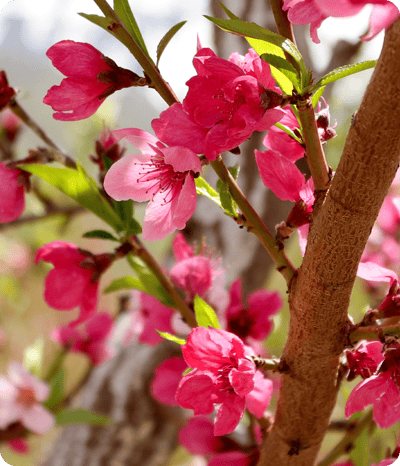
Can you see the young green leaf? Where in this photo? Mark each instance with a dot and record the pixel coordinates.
(79, 186)
(342, 72)
(284, 67)
(124, 12)
(234, 171)
(170, 337)
(125, 283)
(98, 20)
(82, 416)
(205, 315)
(166, 39)
(57, 390)
(289, 132)
(317, 96)
(33, 357)
(227, 201)
(101, 234)
(203, 188)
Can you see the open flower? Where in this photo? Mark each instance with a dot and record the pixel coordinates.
(253, 320)
(160, 174)
(313, 12)
(222, 375)
(12, 193)
(90, 78)
(227, 100)
(21, 395)
(91, 340)
(74, 281)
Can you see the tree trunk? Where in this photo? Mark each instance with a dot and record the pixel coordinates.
(319, 296)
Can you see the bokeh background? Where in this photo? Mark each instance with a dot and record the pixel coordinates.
(27, 29)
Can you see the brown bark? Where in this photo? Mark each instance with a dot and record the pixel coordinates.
(319, 296)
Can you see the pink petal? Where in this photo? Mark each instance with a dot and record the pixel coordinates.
(195, 391)
(375, 273)
(38, 419)
(339, 8)
(182, 159)
(181, 249)
(231, 458)
(167, 377)
(242, 381)
(185, 206)
(259, 398)
(382, 17)
(197, 436)
(142, 140)
(64, 288)
(59, 253)
(280, 175)
(229, 415)
(99, 326)
(158, 220)
(12, 194)
(387, 407)
(365, 393)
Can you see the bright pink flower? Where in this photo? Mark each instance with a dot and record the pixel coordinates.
(90, 78)
(74, 281)
(90, 340)
(375, 273)
(253, 320)
(10, 125)
(162, 175)
(6, 92)
(20, 397)
(222, 375)
(149, 315)
(19, 445)
(225, 99)
(364, 360)
(166, 380)
(198, 273)
(381, 390)
(313, 12)
(12, 193)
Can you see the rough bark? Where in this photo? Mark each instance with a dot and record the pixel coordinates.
(319, 296)
(144, 433)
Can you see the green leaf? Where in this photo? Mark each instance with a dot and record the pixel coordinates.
(82, 416)
(173, 338)
(289, 132)
(205, 315)
(98, 20)
(125, 283)
(186, 371)
(234, 171)
(317, 96)
(342, 72)
(227, 201)
(33, 357)
(79, 186)
(229, 13)
(203, 188)
(166, 39)
(124, 12)
(245, 29)
(284, 67)
(57, 390)
(101, 234)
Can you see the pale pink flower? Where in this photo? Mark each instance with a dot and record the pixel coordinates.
(90, 340)
(21, 395)
(74, 281)
(222, 375)
(226, 100)
(159, 174)
(90, 78)
(255, 319)
(313, 12)
(167, 376)
(12, 193)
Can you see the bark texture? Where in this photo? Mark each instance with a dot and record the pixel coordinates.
(319, 296)
(144, 433)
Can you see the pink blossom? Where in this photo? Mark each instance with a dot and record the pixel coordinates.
(149, 315)
(381, 390)
(364, 360)
(198, 273)
(160, 174)
(12, 193)
(6, 92)
(74, 281)
(90, 340)
(222, 375)
(253, 320)
(90, 78)
(225, 99)
(166, 380)
(313, 12)
(20, 397)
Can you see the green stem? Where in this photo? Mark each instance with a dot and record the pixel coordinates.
(58, 155)
(56, 364)
(283, 265)
(118, 30)
(345, 445)
(152, 264)
(315, 154)
(374, 332)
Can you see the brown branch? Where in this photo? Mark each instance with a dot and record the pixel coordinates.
(320, 294)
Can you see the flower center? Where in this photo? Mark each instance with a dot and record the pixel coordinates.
(222, 381)
(26, 397)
